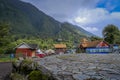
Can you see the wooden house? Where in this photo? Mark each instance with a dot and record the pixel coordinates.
(97, 46)
(60, 48)
(27, 50)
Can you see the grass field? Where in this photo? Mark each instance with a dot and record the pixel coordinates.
(6, 58)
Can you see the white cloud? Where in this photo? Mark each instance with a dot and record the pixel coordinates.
(115, 15)
(91, 16)
(80, 19)
(91, 29)
(97, 17)
(87, 16)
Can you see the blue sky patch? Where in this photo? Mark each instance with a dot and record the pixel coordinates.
(110, 5)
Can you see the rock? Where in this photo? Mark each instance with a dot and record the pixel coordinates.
(90, 73)
(114, 79)
(98, 77)
(82, 66)
(63, 76)
(64, 67)
(74, 71)
(21, 58)
(110, 71)
(91, 68)
(80, 76)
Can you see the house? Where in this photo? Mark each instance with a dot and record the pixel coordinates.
(97, 46)
(60, 48)
(27, 50)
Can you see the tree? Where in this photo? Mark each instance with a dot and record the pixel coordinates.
(111, 34)
(4, 31)
(94, 38)
(4, 40)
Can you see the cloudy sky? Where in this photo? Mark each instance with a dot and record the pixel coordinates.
(92, 15)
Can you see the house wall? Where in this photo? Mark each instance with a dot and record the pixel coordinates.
(59, 50)
(98, 50)
(25, 52)
(33, 53)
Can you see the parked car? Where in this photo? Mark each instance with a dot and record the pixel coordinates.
(49, 52)
(41, 55)
(70, 51)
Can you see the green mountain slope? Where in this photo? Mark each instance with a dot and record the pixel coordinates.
(25, 19)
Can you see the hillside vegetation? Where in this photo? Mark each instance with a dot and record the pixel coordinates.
(26, 20)
(25, 23)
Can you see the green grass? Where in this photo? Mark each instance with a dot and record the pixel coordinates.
(7, 59)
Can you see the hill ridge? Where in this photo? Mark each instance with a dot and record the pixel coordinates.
(25, 19)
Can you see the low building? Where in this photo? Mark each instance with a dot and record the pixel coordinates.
(27, 50)
(60, 48)
(97, 46)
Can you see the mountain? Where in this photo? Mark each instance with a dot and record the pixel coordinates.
(25, 19)
(79, 30)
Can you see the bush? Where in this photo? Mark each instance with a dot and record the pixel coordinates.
(37, 75)
(16, 76)
(26, 66)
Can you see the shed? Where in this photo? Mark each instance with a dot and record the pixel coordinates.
(60, 48)
(28, 50)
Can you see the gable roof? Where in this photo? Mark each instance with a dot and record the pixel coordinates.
(90, 44)
(97, 43)
(31, 46)
(103, 44)
(60, 45)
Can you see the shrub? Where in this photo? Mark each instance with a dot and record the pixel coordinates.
(37, 75)
(26, 66)
(16, 76)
